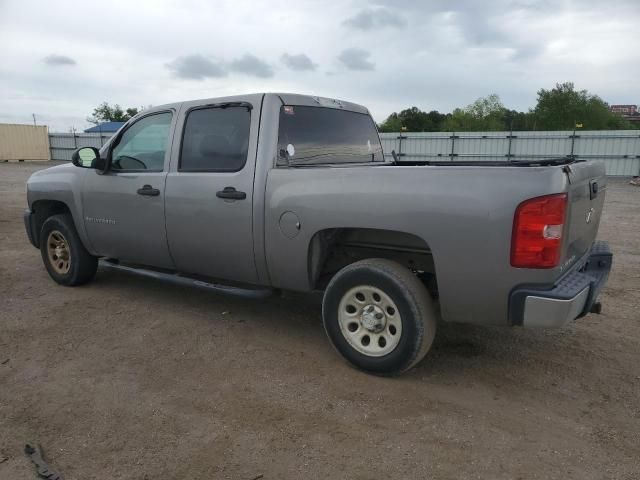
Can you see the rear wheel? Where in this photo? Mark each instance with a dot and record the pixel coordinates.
(63, 253)
(379, 316)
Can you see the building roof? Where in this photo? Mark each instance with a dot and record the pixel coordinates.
(107, 127)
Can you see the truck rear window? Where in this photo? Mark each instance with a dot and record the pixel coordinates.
(321, 136)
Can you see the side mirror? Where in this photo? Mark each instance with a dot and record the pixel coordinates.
(84, 157)
(88, 157)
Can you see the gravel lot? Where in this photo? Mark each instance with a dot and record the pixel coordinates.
(132, 378)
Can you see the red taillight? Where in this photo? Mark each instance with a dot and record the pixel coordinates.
(537, 232)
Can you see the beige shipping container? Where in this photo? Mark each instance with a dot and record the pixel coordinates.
(23, 142)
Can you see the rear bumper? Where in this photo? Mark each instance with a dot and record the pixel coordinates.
(30, 227)
(573, 296)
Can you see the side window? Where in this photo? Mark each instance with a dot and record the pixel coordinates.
(143, 144)
(215, 140)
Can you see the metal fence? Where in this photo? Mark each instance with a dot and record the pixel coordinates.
(619, 150)
(62, 145)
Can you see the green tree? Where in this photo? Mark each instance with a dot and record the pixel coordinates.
(393, 123)
(437, 120)
(485, 114)
(518, 121)
(133, 111)
(562, 107)
(107, 113)
(413, 120)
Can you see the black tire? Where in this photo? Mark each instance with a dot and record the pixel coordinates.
(417, 314)
(82, 266)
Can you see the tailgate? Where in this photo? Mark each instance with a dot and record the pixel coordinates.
(586, 199)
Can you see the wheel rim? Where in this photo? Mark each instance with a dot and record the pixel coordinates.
(370, 321)
(59, 252)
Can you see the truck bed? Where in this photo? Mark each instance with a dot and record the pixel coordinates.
(462, 213)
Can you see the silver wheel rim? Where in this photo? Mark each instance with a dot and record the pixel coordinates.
(370, 321)
(58, 252)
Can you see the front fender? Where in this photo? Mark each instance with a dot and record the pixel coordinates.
(62, 183)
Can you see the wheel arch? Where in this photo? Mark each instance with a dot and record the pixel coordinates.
(331, 249)
(43, 209)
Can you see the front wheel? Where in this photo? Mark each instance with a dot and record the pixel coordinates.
(63, 253)
(379, 316)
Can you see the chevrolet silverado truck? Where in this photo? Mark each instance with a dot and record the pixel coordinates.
(269, 192)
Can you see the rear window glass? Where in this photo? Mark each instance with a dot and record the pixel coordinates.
(318, 135)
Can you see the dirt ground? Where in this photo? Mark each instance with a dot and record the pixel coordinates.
(132, 378)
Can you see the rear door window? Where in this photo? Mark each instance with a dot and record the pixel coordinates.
(320, 136)
(215, 140)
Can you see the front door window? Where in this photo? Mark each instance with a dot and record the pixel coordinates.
(142, 146)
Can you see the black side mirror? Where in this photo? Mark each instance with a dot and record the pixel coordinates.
(88, 157)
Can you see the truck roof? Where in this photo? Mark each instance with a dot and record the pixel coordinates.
(286, 98)
(310, 100)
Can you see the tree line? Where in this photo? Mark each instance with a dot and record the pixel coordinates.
(560, 108)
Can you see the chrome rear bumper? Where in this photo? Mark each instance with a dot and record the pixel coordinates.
(573, 296)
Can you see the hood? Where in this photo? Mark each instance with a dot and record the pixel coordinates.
(55, 169)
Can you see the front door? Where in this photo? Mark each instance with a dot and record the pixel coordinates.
(209, 193)
(124, 208)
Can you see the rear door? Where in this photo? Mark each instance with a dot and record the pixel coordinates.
(209, 190)
(586, 199)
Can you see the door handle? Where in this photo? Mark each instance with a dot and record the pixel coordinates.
(231, 193)
(148, 191)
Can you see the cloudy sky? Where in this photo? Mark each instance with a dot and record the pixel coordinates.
(60, 59)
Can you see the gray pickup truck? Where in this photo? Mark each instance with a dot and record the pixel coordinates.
(254, 193)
